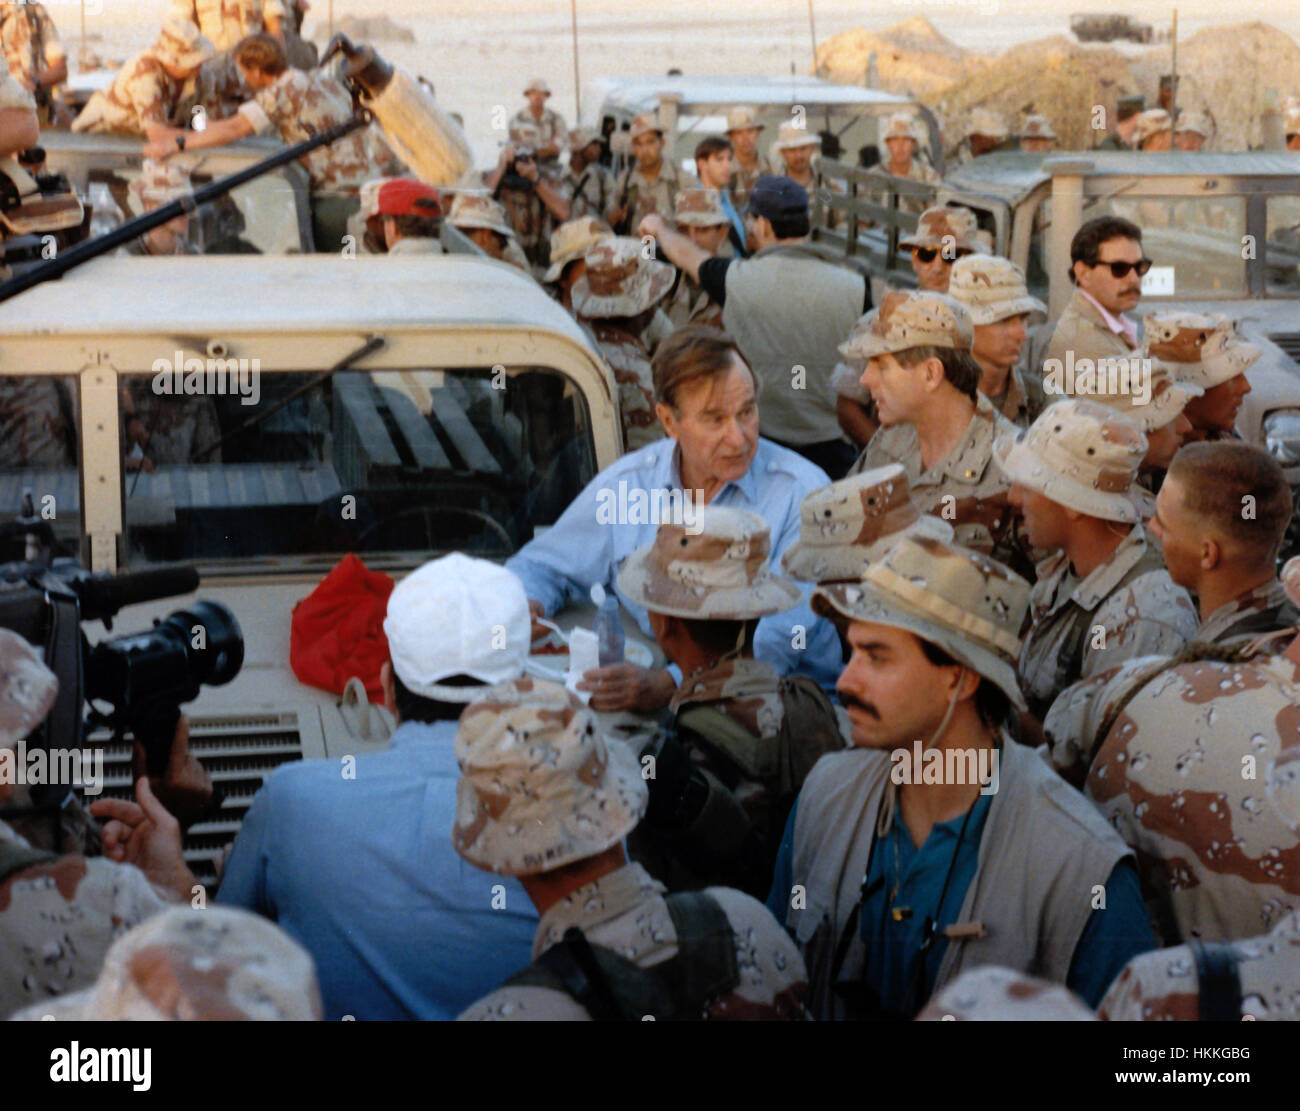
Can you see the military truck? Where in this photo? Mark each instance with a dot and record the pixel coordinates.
(692, 107)
(1223, 231)
(1109, 26)
(403, 408)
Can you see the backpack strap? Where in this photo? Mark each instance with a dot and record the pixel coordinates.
(14, 857)
(1220, 980)
(706, 952)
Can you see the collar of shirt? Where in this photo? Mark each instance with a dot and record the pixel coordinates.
(597, 904)
(1121, 325)
(1256, 600)
(421, 732)
(669, 476)
(1098, 585)
(969, 459)
(1013, 400)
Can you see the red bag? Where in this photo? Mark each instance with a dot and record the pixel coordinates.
(337, 631)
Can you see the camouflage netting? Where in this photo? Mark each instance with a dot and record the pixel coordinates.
(1224, 73)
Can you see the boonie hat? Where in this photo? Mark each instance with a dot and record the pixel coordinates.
(1168, 398)
(572, 240)
(965, 603)
(538, 85)
(700, 208)
(457, 616)
(743, 117)
(1201, 350)
(992, 993)
(620, 280)
(1152, 122)
(644, 124)
(992, 288)
(934, 225)
(985, 121)
(159, 182)
(1081, 455)
(478, 210)
(717, 571)
(909, 318)
(539, 786)
(1036, 127)
(846, 525)
(789, 137)
(901, 125)
(27, 688)
(183, 45)
(404, 196)
(185, 965)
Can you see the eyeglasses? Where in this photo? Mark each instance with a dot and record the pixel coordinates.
(926, 255)
(1121, 269)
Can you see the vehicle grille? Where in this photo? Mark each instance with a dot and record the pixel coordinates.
(239, 752)
(1289, 342)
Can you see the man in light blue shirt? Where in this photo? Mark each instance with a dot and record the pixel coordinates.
(354, 859)
(705, 398)
(713, 168)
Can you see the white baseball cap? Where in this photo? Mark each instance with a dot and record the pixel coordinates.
(457, 616)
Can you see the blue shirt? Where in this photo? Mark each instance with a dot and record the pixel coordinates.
(362, 873)
(729, 209)
(893, 948)
(602, 527)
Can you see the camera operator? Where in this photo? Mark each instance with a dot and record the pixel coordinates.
(535, 202)
(59, 914)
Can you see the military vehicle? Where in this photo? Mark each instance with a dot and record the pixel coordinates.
(1223, 231)
(1109, 26)
(692, 107)
(474, 409)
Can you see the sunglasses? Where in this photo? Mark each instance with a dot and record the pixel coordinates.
(1121, 269)
(926, 255)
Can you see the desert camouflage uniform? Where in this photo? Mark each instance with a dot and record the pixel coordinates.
(687, 303)
(16, 39)
(1022, 400)
(1262, 610)
(300, 105)
(917, 171)
(33, 430)
(625, 911)
(1147, 615)
(630, 361)
(552, 129)
(643, 197)
(591, 192)
(741, 182)
(531, 220)
(1164, 985)
(143, 92)
(996, 994)
(58, 919)
(179, 427)
(980, 514)
(1185, 774)
(226, 22)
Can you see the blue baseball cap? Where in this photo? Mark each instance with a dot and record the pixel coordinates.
(774, 197)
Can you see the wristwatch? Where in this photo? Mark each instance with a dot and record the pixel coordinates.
(180, 142)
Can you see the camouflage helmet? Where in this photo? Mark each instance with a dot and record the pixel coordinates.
(183, 964)
(715, 569)
(846, 525)
(993, 288)
(991, 993)
(1079, 454)
(1152, 122)
(909, 318)
(944, 226)
(959, 600)
(181, 44)
(984, 121)
(572, 240)
(539, 786)
(901, 125)
(1036, 127)
(1201, 350)
(27, 688)
(700, 208)
(620, 280)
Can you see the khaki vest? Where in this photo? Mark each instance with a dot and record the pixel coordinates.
(791, 306)
(1044, 850)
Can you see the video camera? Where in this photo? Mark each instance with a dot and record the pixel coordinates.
(512, 178)
(144, 676)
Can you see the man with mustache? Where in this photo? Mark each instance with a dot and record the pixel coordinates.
(1106, 268)
(894, 880)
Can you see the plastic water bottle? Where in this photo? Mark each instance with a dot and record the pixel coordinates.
(608, 627)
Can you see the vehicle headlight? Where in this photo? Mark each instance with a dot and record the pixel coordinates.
(1282, 436)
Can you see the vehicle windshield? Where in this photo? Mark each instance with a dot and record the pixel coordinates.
(1282, 251)
(405, 462)
(259, 217)
(1199, 238)
(38, 456)
(856, 133)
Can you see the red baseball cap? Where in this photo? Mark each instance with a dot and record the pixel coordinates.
(404, 196)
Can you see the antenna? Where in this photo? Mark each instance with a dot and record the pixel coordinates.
(577, 95)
